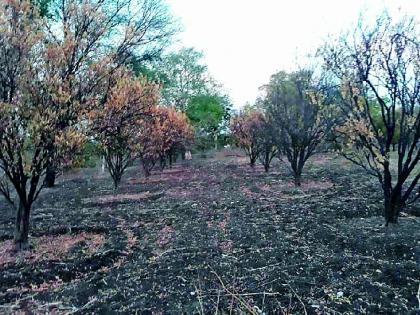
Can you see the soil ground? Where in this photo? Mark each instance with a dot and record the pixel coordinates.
(213, 236)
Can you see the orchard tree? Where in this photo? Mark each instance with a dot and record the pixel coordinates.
(88, 40)
(28, 121)
(181, 133)
(154, 139)
(117, 124)
(246, 130)
(165, 131)
(297, 113)
(268, 143)
(379, 68)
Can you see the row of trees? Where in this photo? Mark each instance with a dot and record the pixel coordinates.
(63, 78)
(131, 125)
(365, 100)
(291, 120)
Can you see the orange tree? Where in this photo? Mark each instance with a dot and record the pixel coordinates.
(299, 115)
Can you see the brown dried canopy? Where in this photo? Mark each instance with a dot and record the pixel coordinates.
(130, 100)
(166, 130)
(117, 124)
(246, 129)
(28, 119)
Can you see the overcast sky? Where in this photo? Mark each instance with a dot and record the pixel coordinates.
(245, 41)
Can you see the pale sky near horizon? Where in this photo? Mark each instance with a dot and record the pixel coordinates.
(245, 41)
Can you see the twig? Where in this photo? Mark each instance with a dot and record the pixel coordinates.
(275, 265)
(246, 294)
(418, 295)
(200, 300)
(235, 296)
(298, 297)
(85, 306)
(218, 301)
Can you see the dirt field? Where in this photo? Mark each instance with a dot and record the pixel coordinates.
(213, 236)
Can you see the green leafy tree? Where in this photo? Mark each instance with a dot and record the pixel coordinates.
(206, 113)
(188, 86)
(184, 75)
(43, 7)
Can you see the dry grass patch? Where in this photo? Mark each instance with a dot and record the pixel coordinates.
(46, 248)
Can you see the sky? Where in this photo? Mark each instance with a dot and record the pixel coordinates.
(245, 41)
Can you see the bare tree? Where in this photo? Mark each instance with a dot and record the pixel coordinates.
(295, 107)
(379, 66)
(268, 144)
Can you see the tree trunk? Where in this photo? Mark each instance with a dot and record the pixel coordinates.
(50, 176)
(116, 183)
(170, 160)
(298, 180)
(252, 162)
(393, 207)
(267, 161)
(116, 177)
(393, 202)
(146, 168)
(22, 228)
(162, 163)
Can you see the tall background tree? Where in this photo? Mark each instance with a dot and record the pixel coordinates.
(109, 34)
(189, 87)
(206, 113)
(378, 70)
(184, 76)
